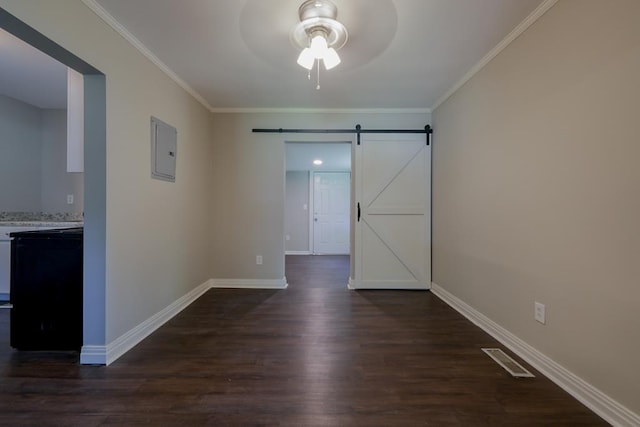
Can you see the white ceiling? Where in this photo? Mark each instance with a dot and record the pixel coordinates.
(31, 76)
(401, 54)
(234, 55)
(335, 156)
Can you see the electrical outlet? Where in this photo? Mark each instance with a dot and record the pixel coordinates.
(287, 237)
(539, 312)
(69, 199)
(259, 259)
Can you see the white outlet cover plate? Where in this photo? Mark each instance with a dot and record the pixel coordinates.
(539, 312)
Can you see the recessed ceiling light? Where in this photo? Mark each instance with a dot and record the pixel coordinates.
(317, 162)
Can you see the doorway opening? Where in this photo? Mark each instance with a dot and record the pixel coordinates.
(38, 183)
(318, 213)
(93, 83)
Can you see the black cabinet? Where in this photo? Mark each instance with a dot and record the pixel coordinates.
(46, 289)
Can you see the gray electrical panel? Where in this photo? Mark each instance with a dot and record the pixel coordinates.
(164, 145)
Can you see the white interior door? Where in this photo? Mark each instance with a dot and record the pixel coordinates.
(393, 231)
(331, 215)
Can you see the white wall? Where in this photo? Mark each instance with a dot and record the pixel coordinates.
(296, 217)
(20, 148)
(33, 176)
(156, 232)
(249, 184)
(57, 183)
(536, 191)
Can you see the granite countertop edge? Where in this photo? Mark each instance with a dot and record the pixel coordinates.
(61, 224)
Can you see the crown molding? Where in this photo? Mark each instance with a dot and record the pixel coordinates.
(322, 110)
(113, 23)
(521, 28)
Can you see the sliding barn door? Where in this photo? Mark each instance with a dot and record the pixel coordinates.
(393, 196)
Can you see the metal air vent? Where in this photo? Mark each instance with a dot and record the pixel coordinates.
(510, 365)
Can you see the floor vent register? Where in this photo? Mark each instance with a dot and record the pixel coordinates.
(510, 365)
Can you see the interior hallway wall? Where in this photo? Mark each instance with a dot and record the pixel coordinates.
(536, 191)
(296, 217)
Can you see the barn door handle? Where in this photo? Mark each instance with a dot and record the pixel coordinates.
(358, 211)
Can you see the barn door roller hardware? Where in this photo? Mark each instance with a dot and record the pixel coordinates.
(358, 130)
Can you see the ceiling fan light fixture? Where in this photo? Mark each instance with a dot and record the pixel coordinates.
(319, 35)
(306, 58)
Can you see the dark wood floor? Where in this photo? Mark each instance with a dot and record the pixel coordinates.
(315, 354)
(326, 271)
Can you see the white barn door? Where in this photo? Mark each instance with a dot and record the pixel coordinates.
(393, 227)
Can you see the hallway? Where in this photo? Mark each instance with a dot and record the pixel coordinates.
(323, 271)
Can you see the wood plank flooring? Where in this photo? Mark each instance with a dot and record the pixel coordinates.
(315, 354)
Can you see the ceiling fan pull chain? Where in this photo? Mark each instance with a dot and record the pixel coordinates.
(318, 86)
(309, 70)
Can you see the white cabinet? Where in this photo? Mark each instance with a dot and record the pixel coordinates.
(5, 268)
(5, 258)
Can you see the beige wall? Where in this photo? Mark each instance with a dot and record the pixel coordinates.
(536, 191)
(295, 216)
(249, 183)
(157, 242)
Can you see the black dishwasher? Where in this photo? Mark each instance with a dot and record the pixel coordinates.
(46, 289)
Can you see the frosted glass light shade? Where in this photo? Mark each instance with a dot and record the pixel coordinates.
(331, 58)
(306, 58)
(319, 46)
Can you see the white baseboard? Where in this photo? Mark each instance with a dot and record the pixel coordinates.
(603, 405)
(93, 355)
(298, 253)
(354, 285)
(250, 283)
(105, 355)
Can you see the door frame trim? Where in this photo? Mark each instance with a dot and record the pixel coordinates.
(336, 137)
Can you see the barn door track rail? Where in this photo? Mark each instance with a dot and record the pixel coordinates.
(358, 131)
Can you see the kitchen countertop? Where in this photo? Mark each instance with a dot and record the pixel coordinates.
(61, 224)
